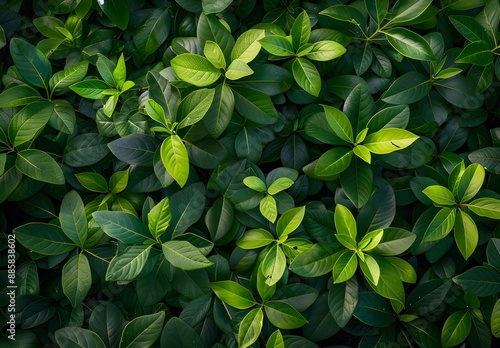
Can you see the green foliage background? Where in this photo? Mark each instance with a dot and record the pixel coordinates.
(276, 173)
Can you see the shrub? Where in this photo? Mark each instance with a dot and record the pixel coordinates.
(198, 173)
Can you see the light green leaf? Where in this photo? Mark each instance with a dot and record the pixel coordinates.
(284, 316)
(73, 219)
(238, 69)
(300, 31)
(268, 208)
(94, 182)
(40, 166)
(370, 269)
(59, 83)
(362, 152)
(273, 265)
(333, 162)
(290, 221)
(456, 328)
(128, 264)
(155, 111)
(440, 195)
(175, 158)
(495, 320)
(45, 239)
(339, 123)
(76, 279)
(27, 123)
(307, 76)
(275, 340)
(119, 181)
(233, 294)
(142, 331)
(247, 46)
(345, 266)
(250, 328)
(159, 218)
(195, 69)
(409, 44)
(255, 183)
(277, 45)
(255, 238)
(194, 107)
(184, 255)
(371, 240)
(466, 234)
(389, 283)
(440, 225)
(470, 182)
(214, 54)
(344, 221)
(279, 185)
(395, 241)
(31, 63)
(18, 96)
(388, 140)
(325, 50)
(487, 207)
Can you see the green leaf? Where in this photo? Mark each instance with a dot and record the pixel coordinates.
(307, 76)
(31, 63)
(45, 239)
(357, 181)
(495, 320)
(388, 140)
(488, 207)
(128, 264)
(250, 327)
(120, 72)
(62, 80)
(107, 321)
(477, 53)
(215, 7)
(233, 294)
(238, 69)
(153, 32)
(73, 219)
(19, 95)
(456, 328)
(345, 266)
(279, 185)
(389, 283)
(268, 208)
(363, 153)
(346, 13)
(273, 265)
(194, 69)
(156, 112)
(40, 166)
(315, 262)
(78, 337)
(178, 334)
(184, 255)
(466, 234)
(186, 207)
(175, 158)
(448, 73)
(408, 88)
(395, 241)
(91, 89)
(290, 221)
(76, 279)
(440, 195)
(276, 340)
(342, 301)
(254, 105)
(142, 331)
(404, 269)
(255, 183)
(63, 117)
(479, 280)
(325, 50)
(124, 226)
(470, 182)
(194, 107)
(345, 223)
(377, 9)
(300, 31)
(339, 123)
(211, 28)
(94, 182)
(407, 10)
(409, 44)
(255, 238)
(277, 46)
(283, 316)
(374, 310)
(159, 218)
(488, 157)
(247, 46)
(333, 162)
(440, 225)
(214, 54)
(27, 123)
(469, 28)
(371, 269)
(118, 12)
(119, 181)
(371, 240)
(460, 91)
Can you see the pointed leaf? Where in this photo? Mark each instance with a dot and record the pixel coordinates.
(31, 63)
(142, 331)
(388, 140)
(339, 123)
(344, 221)
(290, 221)
(45, 239)
(27, 123)
(128, 264)
(184, 255)
(194, 69)
(283, 316)
(175, 158)
(73, 219)
(439, 195)
(123, 226)
(76, 279)
(250, 328)
(456, 328)
(488, 207)
(409, 44)
(233, 294)
(307, 76)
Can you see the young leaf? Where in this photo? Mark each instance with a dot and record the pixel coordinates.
(345, 222)
(255, 183)
(300, 31)
(31, 63)
(73, 219)
(440, 195)
(238, 69)
(466, 234)
(323, 51)
(339, 123)
(409, 44)
(76, 279)
(194, 107)
(283, 316)
(290, 221)
(94, 182)
(128, 264)
(247, 46)
(371, 240)
(333, 162)
(307, 76)
(195, 69)
(268, 208)
(142, 331)
(233, 294)
(388, 140)
(255, 238)
(279, 185)
(440, 225)
(273, 265)
(395, 241)
(92, 89)
(370, 269)
(61, 80)
(276, 340)
(159, 218)
(214, 54)
(470, 182)
(345, 266)
(250, 328)
(456, 328)
(184, 255)
(40, 166)
(488, 207)
(277, 46)
(495, 320)
(175, 158)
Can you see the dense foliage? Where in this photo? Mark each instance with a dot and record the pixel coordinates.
(243, 173)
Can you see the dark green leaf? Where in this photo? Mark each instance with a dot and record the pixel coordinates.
(78, 337)
(45, 239)
(76, 279)
(151, 35)
(479, 280)
(184, 255)
(456, 328)
(40, 166)
(128, 264)
(142, 331)
(283, 316)
(408, 88)
(409, 44)
(488, 157)
(477, 53)
(31, 63)
(255, 105)
(123, 226)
